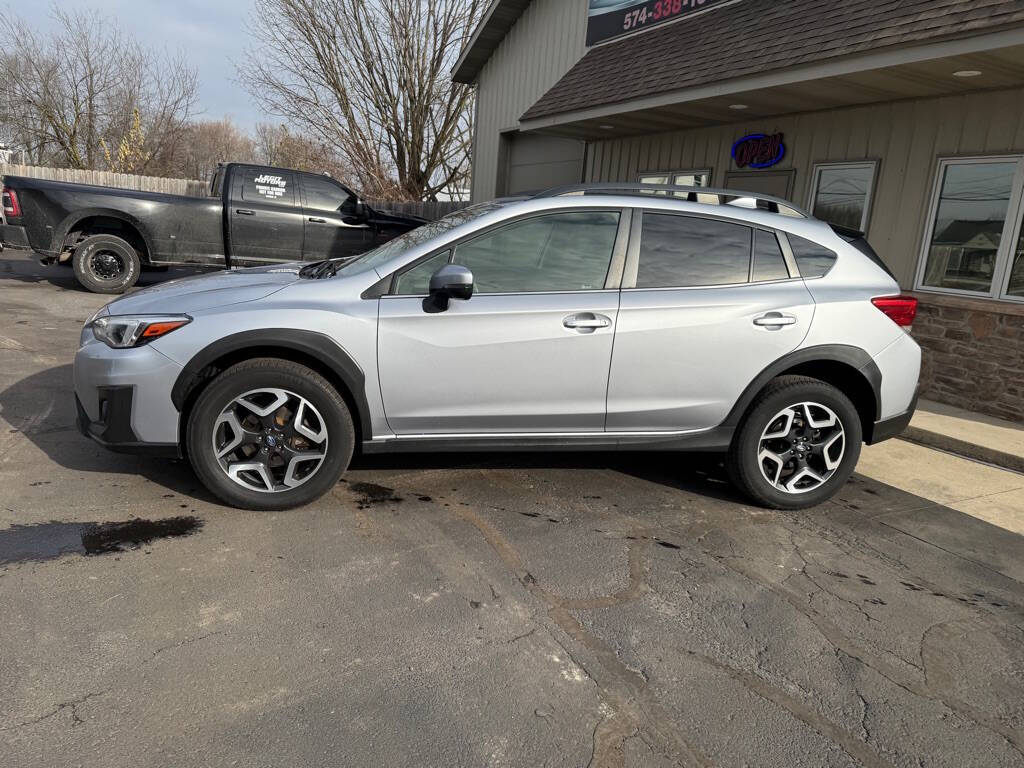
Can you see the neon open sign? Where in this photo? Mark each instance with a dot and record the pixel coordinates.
(758, 150)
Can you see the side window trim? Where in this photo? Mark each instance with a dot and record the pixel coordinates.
(632, 269)
(787, 254)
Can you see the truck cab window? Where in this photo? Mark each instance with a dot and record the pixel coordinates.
(324, 194)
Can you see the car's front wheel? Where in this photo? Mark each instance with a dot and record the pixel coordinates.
(269, 434)
(797, 445)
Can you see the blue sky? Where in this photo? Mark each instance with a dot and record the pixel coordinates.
(210, 34)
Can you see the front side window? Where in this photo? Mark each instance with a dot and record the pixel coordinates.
(685, 251)
(323, 194)
(841, 194)
(416, 281)
(555, 252)
(974, 243)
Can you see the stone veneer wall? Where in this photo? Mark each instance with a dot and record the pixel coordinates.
(973, 354)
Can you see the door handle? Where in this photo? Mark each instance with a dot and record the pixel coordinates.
(317, 220)
(245, 212)
(586, 322)
(774, 320)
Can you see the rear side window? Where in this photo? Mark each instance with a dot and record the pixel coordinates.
(268, 186)
(769, 263)
(812, 259)
(684, 251)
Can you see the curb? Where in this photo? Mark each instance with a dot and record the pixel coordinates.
(993, 456)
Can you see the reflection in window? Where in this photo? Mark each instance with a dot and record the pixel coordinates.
(558, 252)
(842, 193)
(812, 260)
(691, 178)
(684, 251)
(1016, 285)
(769, 263)
(969, 220)
(416, 281)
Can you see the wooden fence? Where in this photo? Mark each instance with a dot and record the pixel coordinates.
(189, 187)
(192, 188)
(429, 209)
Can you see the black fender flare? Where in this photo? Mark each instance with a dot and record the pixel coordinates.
(855, 357)
(312, 344)
(68, 224)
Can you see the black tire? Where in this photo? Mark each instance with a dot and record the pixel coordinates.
(106, 264)
(274, 373)
(745, 467)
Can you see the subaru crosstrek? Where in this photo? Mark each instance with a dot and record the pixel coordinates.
(639, 318)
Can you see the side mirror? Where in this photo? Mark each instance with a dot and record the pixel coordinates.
(452, 281)
(360, 211)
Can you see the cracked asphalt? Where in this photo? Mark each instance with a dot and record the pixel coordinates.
(560, 610)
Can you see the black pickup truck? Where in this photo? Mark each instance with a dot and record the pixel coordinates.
(254, 215)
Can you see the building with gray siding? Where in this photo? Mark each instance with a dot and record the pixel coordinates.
(901, 118)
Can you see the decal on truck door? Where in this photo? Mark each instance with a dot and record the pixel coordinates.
(270, 187)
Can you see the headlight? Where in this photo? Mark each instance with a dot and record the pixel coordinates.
(121, 331)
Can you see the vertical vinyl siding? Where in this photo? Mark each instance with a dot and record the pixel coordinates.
(539, 48)
(906, 137)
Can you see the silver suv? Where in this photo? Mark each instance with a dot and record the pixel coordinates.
(639, 318)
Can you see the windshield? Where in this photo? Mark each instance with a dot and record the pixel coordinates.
(412, 238)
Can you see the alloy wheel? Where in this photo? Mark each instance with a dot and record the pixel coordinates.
(801, 447)
(270, 440)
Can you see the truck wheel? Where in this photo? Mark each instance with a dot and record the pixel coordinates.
(269, 434)
(106, 264)
(798, 444)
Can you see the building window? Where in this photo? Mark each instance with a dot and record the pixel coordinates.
(841, 193)
(974, 243)
(691, 178)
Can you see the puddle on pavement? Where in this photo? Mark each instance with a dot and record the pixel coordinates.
(371, 493)
(48, 541)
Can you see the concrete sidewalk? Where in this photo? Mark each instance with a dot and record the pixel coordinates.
(974, 435)
(952, 475)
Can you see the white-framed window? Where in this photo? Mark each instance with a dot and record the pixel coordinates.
(694, 177)
(973, 244)
(841, 193)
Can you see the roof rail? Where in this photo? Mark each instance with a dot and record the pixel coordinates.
(724, 196)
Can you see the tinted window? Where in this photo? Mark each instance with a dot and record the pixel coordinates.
(560, 252)
(416, 281)
(841, 194)
(322, 194)
(682, 251)
(769, 263)
(268, 186)
(812, 259)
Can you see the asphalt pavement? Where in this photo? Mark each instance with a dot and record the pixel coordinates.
(501, 610)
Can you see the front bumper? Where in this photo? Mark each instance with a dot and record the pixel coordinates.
(123, 398)
(114, 429)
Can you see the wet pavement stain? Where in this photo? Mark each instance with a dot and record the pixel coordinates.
(49, 541)
(371, 493)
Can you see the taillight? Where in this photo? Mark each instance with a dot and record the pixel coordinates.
(10, 199)
(900, 309)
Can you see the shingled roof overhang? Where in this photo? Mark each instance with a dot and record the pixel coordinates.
(783, 57)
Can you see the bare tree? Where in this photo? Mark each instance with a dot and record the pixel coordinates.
(284, 147)
(370, 78)
(69, 96)
(208, 142)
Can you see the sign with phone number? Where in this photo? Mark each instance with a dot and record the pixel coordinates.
(611, 18)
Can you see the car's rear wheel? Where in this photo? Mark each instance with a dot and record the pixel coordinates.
(797, 445)
(269, 434)
(106, 264)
